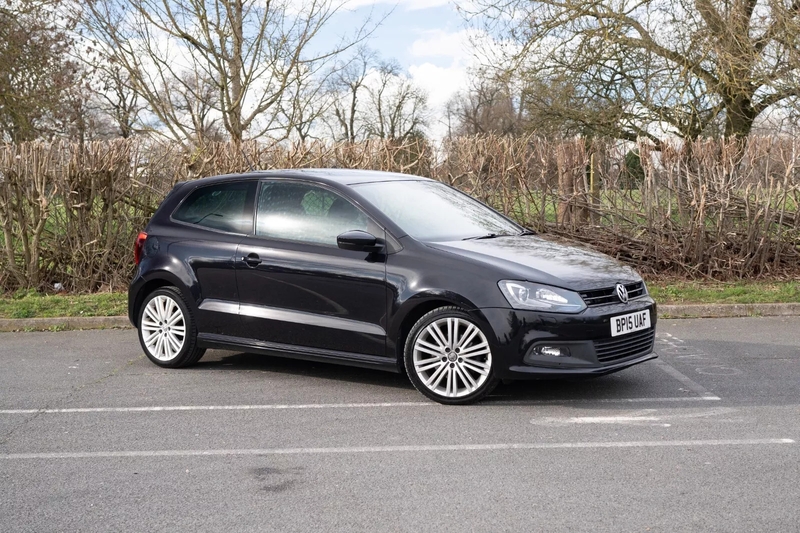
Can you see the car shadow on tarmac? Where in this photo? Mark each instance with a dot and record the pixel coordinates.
(220, 360)
(625, 384)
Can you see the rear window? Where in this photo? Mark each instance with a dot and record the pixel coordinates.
(225, 207)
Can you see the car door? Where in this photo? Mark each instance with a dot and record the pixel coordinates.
(296, 286)
(209, 224)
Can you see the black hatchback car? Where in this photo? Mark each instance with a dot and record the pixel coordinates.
(379, 270)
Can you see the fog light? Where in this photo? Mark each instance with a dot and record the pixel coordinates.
(551, 351)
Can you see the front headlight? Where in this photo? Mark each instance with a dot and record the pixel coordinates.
(532, 296)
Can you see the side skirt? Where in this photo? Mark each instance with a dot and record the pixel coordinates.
(227, 342)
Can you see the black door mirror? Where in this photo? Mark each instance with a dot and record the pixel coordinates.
(359, 241)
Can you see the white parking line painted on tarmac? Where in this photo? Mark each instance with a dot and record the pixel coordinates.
(397, 449)
(157, 408)
(654, 417)
(494, 401)
(686, 380)
(565, 421)
(491, 401)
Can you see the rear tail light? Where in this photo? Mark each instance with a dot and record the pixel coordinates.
(138, 248)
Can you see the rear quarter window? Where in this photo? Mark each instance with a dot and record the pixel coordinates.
(224, 207)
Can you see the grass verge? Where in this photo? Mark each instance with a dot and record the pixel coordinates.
(35, 305)
(740, 292)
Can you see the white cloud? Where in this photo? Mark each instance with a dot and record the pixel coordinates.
(468, 47)
(441, 83)
(444, 59)
(440, 43)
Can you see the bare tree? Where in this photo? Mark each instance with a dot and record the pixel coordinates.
(346, 88)
(306, 103)
(371, 98)
(117, 100)
(250, 50)
(487, 106)
(194, 100)
(35, 71)
(397, 108)
(634, 68)
(77, 117)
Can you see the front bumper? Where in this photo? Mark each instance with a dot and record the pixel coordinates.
(587, 336)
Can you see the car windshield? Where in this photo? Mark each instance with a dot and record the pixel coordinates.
(431, 211)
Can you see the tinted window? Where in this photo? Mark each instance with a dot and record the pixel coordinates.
(303, 212)
(223, 207)
(432, 211)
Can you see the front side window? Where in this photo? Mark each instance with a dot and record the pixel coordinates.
(223, 207)
(306, 213)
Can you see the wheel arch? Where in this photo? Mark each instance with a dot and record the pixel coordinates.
(158, 280)
(416, 308)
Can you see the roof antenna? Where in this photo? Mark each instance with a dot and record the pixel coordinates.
(247, 160)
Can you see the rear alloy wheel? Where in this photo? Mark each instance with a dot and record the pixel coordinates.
(448, 357)
(166, 330)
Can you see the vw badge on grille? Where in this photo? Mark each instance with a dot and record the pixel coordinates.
(622, 292)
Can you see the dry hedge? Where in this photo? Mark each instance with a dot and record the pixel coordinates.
(69, 212)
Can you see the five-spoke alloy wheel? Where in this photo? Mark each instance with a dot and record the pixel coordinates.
(166, 329)
(448, 357)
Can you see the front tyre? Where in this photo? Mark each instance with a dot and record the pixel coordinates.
(167, 331)
(448, 357)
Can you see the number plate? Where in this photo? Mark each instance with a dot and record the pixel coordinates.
(621, 325)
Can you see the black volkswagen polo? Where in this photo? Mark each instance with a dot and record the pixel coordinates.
(379, 270)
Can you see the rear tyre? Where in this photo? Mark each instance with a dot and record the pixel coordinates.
(448, 357)
(167, 331)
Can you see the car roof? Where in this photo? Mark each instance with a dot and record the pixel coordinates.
(342, 176)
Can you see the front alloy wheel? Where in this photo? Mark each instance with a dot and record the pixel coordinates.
(166, 329)
(448, 357)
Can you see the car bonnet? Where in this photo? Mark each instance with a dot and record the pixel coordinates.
(532, 258)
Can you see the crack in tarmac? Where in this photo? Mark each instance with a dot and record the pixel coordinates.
(66, 398)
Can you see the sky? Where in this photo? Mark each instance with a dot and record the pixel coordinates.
(428, 38)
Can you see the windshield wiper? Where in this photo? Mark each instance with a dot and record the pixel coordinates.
(487, 236)
(494, 235)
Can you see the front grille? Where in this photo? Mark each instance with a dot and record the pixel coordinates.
(609, 294)
(616, 348)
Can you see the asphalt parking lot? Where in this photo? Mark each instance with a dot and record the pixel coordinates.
(93, 437)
